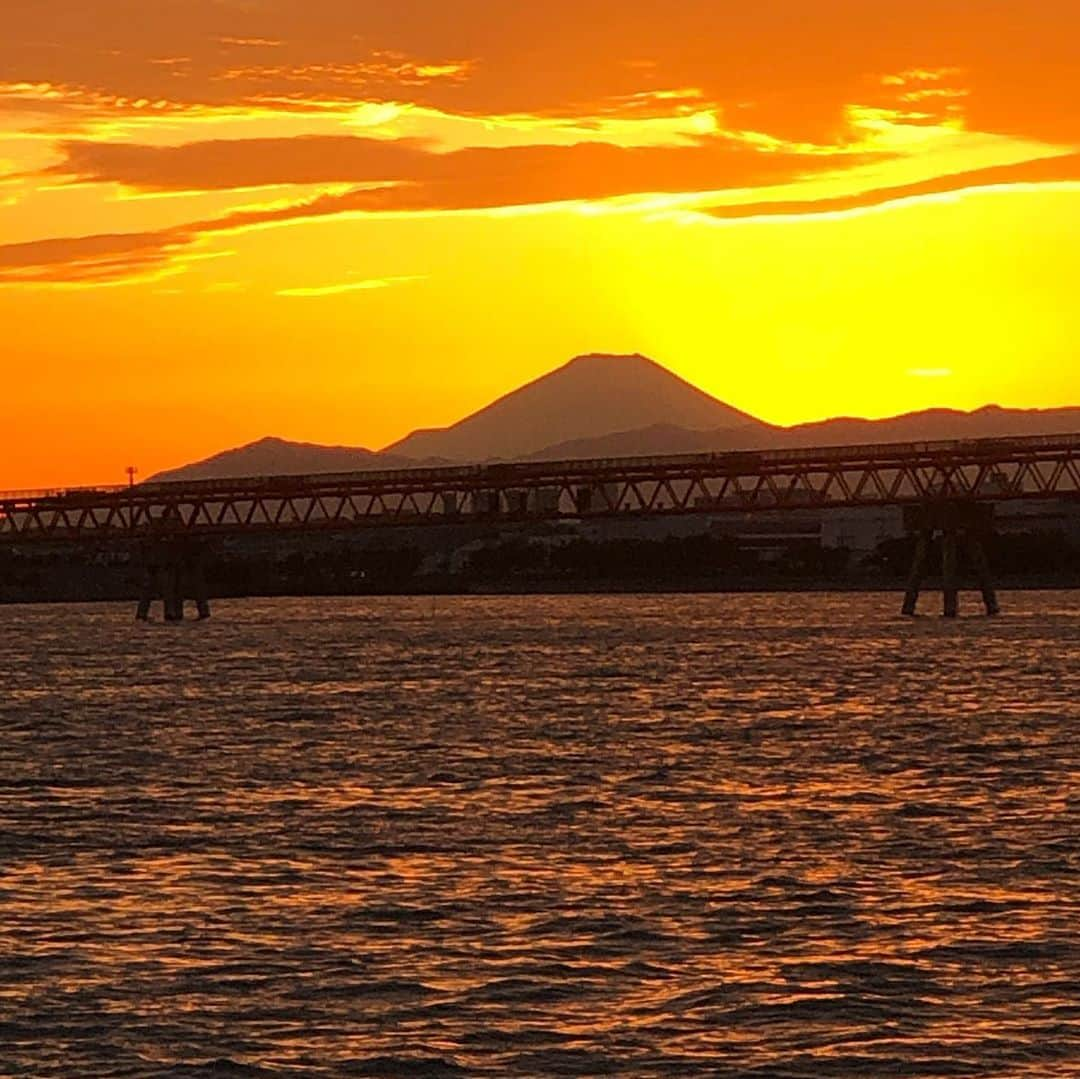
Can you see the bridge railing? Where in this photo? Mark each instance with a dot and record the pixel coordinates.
(741, 460)
(40, 493)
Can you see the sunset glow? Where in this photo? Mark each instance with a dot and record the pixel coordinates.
(338, 221)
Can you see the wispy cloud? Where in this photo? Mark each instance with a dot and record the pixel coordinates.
(379, 69)
(412, 176)
(350, 286)
(930, 372)
(1061, 168)
(251, 42)
(105, 258)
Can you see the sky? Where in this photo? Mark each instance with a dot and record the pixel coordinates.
(338, 220)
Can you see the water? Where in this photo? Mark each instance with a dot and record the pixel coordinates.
(627, 836)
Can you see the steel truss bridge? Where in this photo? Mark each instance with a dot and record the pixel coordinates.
(944, 482)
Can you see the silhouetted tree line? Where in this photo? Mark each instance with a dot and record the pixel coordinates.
(609, 560)
(1050, 553)
(338, 572)
(698, 557)
(1044, 557)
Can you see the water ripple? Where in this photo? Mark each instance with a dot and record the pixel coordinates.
(777, 836)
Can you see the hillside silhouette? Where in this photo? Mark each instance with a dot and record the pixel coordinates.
(278, 457)
(614, 406)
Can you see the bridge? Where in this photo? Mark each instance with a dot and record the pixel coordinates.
(944, 487)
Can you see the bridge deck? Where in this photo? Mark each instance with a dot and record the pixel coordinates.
(984, 470)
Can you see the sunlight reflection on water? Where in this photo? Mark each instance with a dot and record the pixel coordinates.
(641, 836)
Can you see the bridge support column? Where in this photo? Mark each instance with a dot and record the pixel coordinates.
(958, 524)
(147, 593)
(949, 587)
(199, 590)
(918, 571)
(174, 569)
(173, 596)
(981, 565)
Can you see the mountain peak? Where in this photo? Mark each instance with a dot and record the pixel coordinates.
(614, 362)
(611, 357)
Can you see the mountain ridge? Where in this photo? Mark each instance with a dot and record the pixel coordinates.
(926, 425)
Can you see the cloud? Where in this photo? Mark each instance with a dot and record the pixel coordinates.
(462, 179)
(113, 258)
(380, 69)
(109, 258)
(785, 91)
(224, 164)
(787, 67)
(1061, 169)
(91, 259)
(250, 42)
(348, 286)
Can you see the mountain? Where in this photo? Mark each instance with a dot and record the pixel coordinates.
(615, 406)
(276, 457)
(590, 396)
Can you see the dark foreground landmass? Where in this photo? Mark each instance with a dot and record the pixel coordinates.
(419, 564)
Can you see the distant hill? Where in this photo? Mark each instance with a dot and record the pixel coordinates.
(277, 457)
(660, 439)
(615, 406)
(929, 426)
(990, 421)
(590, 396)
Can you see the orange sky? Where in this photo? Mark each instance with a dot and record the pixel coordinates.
(338, 220)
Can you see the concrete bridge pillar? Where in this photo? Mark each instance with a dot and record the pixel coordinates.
(958, 524)
(172, 592)
(173, 570)
(147, 592)
(199, 590)
(949, 585)
(981, 565)
(918, 570)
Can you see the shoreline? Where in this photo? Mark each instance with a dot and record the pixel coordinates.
(930, 589)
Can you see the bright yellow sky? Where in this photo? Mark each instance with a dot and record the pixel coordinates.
(334, 223)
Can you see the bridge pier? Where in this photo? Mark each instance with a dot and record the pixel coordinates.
(199, 591)
(949, 587)
(146, 593)
(981, 565)
(174, 570)
(957, 523)
(918, 571)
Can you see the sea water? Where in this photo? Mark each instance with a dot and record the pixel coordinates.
(784, 835)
